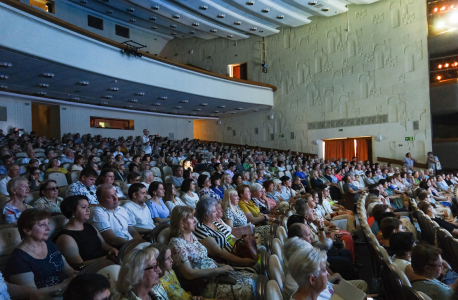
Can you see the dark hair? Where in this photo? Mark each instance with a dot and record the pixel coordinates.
(44, 185)
(131, 167)
(235, 177)
(201, 180)
(29, 217)
(86, 286)
(424, 185)
(103, 173)
(387, 225)
(267, 183)
(295, 219)
(231, 164)
(284, 179)
(68, 206)
(382, 181)
(422, 196)
(186, 185)
(134, 188)
(88, 172)
(368, 172)
(216, 165)
(424, 206)
(177, 168)
(132, 176)
(401, 242)
(31, 171)
(295, 230)
(161, 257)
(345, 179)
(153, 187)
(241, 188)
(423, 255)
(214, 178)
(378, 210)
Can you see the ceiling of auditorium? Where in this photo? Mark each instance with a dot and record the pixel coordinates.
(31, 76)
(207, 19)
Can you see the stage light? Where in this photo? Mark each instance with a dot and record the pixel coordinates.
(440, 25)
(446, 65)
(439, 66)
(439, 77)
(436, 9)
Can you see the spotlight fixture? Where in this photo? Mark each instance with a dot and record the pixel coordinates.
(109, 12)
(178, 107)
(132, 20)
(213, 30)
(203, 104)
(192, 32)
(439, 66)
(253, 28)
(255, 110)
(203, 7)
(75, 98)
(239, 108)
(216, 111)
(152, 109)
(261, 31)
(3, 87)
(439, 77)
(197, 109)
(222, 106)
(325, 9)
(265, 10)
(4, 77)
(129, 106)
(41, 93)
(163, 98)
(140, 94)
(155, 7)
(157, 104)
(114, 89)
(250, 3)
(43, 85)
(108, 96)
(195, 24)
(230, 36)
(173, 26)
(238, 23)
(280, 17)
(446, 65)
(184, 101)
(47, 75)
(173, 33)
(312, 3)
(83, 83)
(133, 100)
(104, 103)
(176, 16)
(221, 16)
(130, 9)
(83, 1)
(5, 65)
(153, 27)
(152, 18)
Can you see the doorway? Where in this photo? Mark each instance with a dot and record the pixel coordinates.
(239, 71)
(46, 120)
(359, 147)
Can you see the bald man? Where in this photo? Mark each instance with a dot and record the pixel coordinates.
(112, 220)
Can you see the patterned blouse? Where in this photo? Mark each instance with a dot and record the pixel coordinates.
(46, 204)
(173, 288)
(11, 213)
(208, 192)
(238, 217)
(193, 252)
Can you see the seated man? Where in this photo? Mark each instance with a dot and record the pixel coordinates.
(7, 160)
(178, 176)
(13, 172)
(388, 226)
(69, 156)
(230, 169)
(111, 220)
(138, 211)
(89, 287)
(85, 186)
(132, 178)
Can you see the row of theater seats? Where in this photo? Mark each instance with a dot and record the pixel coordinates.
(395, 284)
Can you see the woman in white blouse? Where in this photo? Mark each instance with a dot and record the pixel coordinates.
(147, 178)
(170, 197)
(189, 197)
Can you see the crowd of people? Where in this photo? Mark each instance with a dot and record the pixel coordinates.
(216, 194)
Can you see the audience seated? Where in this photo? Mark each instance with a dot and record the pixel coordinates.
(85, 186)
(80, 243)
(13, 172)
(88, 287)
(170, 196)
(49, 199)
(146, 178)
(189, 197)
(178, 176)
(159, 211)
(401, 244)
(389, 226)
(112, 220)
(54, 166)
(18, 189)
(191, 259)
(216, 186)
(138, 211)
(37, 262)
(107, 177)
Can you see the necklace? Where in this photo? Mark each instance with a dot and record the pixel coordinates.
(33, 250)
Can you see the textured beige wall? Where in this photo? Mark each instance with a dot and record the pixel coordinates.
(369, 78)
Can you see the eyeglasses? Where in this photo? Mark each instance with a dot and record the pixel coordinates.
(54, 188)
(155, 268)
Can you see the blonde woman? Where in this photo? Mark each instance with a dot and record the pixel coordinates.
(226, 182)
(191, 259)
(139, 276)
(146, 178)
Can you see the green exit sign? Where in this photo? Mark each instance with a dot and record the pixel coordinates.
(281, 135)
(228, 128)
(409, 138)
(341, 129)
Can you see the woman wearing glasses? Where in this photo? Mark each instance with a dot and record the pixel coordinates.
(139, 276)
(49, 199)
(18, 189)
(34, 178)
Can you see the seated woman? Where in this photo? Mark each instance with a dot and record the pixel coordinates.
(78, 165)
(80, 243)
(402, 244)
(37, 262)
(18, 189)
(159, 211)
(107, 177)
(299, 173)
(34, 178)
(49, 199)
(204, 184)
(291, 246)
(287, 193)
(308, 269)
(441, 211)
(330, 215)
(54, 166)
(170, 196)
(146, 178)
(369, 180)
(273, 188)
(218, 239)
(427, 265)
(189, 197)
(428, 209)
(216, 186)
(236, 180)
(226, 183)
(139, 276)
(257, 198)
(192, 262)
(351, 189)
(120, 174)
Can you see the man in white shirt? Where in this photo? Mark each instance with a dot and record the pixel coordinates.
(112, 221)
(230, 169)
(139, 213)
(146, 142)
(13, 171)
(118, 151)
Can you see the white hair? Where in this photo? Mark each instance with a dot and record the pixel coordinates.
(293, 244)
(255, 187)
(304, 263)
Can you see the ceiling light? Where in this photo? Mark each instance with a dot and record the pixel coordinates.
(230, 36)
(140, 94)
(47, 75)
(84, 83)
(157, 104)
(107, 96)
(163, 98)
(178, 107)
(176, 16)
(132, 20)
(104, 103)
(114, 89)
(192, 32)
(152, 109)
(213, 30)
(184, 101)
(222, 106)
(129, 106)
(203, 7)
(253, 28)
(130, 9)
(265, 10)
(152, 18)
(4, 77)
(325, 9)
(109, 12)
(75, 98)
(250, 3)
(238, 23)
(453, 17)
(173, 26)
(203, 104)
(41, 93)
(312, 3)
(6, 64)
(195, 24)
(216, 111)
(197, 109)
(155, 7)
(435, 9)
(239, 108)
(446, 65)
(440, 24)
(43, 85)
(133, 100)
(173, 33)
(3, 87)
(280, 17)
(153, 27)
(221, 16)
(439, 77)
(439, 66)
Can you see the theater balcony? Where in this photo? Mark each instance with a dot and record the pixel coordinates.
(48, 58)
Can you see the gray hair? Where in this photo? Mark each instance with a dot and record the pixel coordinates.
(145, 175)
(294, 244)
(304, 263)
(255, 187)
(203, 207)
(13, 183)
(302, 207)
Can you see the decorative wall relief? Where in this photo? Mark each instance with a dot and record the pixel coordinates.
(395, 13)
(378, 18)
(361, 14)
